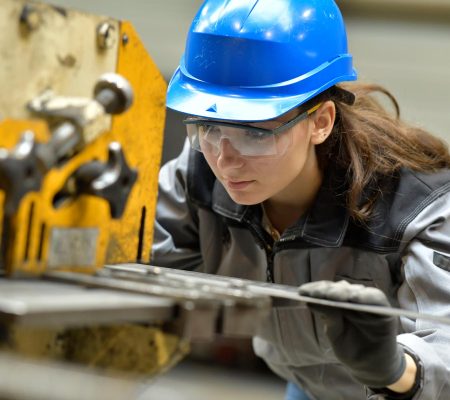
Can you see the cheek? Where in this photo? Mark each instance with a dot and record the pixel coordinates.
(276, 175)
(211, 159)
(273, 176)
(267, 168)
(284, 168)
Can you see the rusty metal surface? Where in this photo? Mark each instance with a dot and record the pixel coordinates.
(105, 330)
(131, 349)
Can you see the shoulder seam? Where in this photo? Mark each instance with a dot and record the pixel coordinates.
(420, 207)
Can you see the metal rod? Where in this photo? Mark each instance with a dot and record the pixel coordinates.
(198, 286)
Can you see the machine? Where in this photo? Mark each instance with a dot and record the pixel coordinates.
(82, 113)
(81, 129)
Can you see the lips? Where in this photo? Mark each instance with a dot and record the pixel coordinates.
(238, 185)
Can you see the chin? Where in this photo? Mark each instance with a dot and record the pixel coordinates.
(246, 199)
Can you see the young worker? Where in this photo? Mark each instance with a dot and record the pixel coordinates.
(294, 176)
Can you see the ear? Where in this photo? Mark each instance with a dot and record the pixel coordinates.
(322, 122)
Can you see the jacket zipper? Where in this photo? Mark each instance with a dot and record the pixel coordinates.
(268, 248)
(270, 254)
(269, 270)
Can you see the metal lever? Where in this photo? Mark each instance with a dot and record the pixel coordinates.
(20, 172)
(111, 181)
(23, 168)
(77, 118)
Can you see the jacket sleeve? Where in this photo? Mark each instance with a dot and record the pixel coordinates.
(426, 288)
(176, 238)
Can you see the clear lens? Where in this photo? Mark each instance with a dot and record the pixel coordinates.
(248, 141)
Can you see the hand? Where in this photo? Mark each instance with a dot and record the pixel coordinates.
(364, 342)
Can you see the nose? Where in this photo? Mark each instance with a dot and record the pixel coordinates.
(228, 156)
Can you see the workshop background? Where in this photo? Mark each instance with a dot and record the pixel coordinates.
(401, 44)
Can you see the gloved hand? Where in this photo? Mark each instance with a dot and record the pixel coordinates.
(364, 342)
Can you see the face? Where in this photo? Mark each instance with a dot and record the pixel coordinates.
(252, 180)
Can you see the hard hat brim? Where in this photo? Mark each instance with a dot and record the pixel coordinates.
(193, 97)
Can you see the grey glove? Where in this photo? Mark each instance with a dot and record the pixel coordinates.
(364, 342)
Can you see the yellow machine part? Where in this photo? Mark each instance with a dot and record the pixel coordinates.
(60, 49)
(129, 349)
(80, 234)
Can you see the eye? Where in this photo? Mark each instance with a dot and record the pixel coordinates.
(257, 135)
(210, 130)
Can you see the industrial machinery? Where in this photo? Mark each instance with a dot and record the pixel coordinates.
(81, 128)
(82, 116)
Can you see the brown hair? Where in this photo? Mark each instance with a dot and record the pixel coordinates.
(370, 142)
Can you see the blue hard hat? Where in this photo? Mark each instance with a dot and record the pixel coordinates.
(254, 60)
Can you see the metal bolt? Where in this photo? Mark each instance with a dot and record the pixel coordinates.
(30, 17)
(114, 93)
(106, 37)
(125, 39)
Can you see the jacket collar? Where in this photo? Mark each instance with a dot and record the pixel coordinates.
(324, 225)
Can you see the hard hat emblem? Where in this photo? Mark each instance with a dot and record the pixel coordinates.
(213, 108)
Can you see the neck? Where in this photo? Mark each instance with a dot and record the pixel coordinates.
(287, 206)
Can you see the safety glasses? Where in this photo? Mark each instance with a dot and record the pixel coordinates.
(207, 136)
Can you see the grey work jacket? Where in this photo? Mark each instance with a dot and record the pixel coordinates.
(404, 250)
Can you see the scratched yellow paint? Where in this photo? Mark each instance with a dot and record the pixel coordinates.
(140, 133)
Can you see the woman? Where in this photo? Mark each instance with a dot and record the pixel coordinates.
(293, 176)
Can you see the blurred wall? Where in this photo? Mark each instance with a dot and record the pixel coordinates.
(401, 44)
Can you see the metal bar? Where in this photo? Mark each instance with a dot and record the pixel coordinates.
(107, 282)
(291, 293)
(36, 302)
(200, 283)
